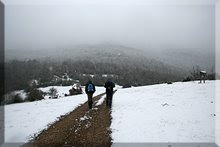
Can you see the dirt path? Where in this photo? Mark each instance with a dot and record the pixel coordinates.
(81, 127)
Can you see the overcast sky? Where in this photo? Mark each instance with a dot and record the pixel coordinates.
(55, 24)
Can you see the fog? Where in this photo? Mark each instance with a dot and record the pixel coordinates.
(140, 43)
(142, 26)
(186, 27)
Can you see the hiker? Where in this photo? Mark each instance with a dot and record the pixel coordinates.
(90, 89)
(109, 85)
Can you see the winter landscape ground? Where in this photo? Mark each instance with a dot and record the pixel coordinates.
(178, 112)
(217, 110)
(26, 119)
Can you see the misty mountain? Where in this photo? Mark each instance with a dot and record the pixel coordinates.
(180, 59)
(102, 53)
(128, 66)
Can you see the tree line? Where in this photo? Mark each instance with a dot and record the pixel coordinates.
(18, 74)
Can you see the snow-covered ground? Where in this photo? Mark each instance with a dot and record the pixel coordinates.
(25, 119)
(179, 112)
(217, 108)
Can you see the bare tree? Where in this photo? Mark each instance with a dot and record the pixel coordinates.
(53, 92)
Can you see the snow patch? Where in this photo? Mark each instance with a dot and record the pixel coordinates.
(101, 100)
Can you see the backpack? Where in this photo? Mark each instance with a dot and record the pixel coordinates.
(90, 88)
(109, 86)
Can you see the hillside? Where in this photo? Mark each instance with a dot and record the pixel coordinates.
(181, 58)
(127, 66)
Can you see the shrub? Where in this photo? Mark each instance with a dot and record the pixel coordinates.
(187, 79)
(12, 98)
(126, 86)
(34, 95)
(76, 90)
(53, 92)
(169, 82)
(17, 99)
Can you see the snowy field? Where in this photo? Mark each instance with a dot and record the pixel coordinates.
(26, 119)
(179, 112)
(217, 121)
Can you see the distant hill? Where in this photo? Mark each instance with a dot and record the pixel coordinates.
(182, 59)
(127, 66)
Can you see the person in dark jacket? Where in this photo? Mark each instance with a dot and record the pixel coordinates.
(90, 89)
(109, 85)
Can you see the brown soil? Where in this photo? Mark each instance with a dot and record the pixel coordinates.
(81, 127)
